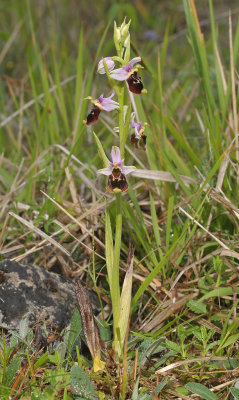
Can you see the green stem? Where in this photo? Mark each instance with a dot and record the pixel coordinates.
(115, 273)
(121, 120)
(115, 287)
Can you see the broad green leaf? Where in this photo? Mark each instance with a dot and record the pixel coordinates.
(41, 361)
(54, 358)
(75, 330)
(172, 346)
(82, 384)
(182, 390)
(220, 292)
(135, 394)
(235, 392)
(231, 340)
(160, 386)
(201, 390)
(198, 335)
(23, 325)
(197, 307)
(147, 348)
(12, 370)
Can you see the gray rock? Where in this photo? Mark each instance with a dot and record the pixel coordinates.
(31, 289)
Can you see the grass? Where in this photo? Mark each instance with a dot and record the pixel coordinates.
(183, 334)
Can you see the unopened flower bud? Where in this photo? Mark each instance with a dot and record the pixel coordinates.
(117, 37)
(121, 34)
(127, 40)
(124, 30)
(110, 64)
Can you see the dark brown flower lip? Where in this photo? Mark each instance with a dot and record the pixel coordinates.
(93, 116)
(117, 183)
(135, 84)
(138, 142)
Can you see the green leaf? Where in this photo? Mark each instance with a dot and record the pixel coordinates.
(135, 394)
(23, 325)
(41, 361)
(147, 348)
(82, 384)
(75, 330)
(198, 335)
(201, 390)
(219, 292)
(155, 224)
(235, 392)
(101, 151)
(158, 388)
(109, 249)
(172, 346)
(181, 390)
(197, 307)
(169, 222)
(12, 370)
(54, 358)
(125, 298)
(231, 340)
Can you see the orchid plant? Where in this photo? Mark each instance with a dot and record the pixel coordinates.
(123, 79)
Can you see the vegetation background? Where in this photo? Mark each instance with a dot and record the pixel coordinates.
(184, 326)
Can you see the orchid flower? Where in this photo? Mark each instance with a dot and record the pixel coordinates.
(116, 172)
(123, 73)
(110, 64)
(129, 74)
(102, 103)
(137, 138)
(106, 104)
(138, 126)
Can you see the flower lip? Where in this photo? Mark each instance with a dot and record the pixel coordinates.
(93, 116)
(117, 183)
(139, 142)
(135, 84)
